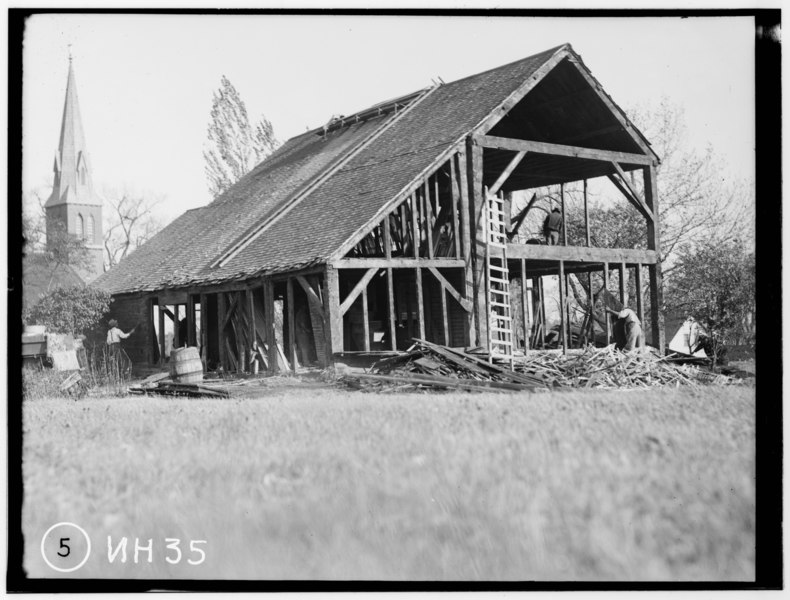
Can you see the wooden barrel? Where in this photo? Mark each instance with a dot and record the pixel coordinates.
(185, 365)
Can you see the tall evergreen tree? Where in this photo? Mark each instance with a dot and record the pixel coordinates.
(234, 146)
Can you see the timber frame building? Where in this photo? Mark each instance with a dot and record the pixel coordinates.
(394, 223)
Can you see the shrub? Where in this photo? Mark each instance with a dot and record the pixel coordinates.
(75, 310)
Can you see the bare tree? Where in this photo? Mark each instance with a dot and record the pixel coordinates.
(128, 224)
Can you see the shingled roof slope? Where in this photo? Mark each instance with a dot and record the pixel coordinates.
(322, 221)
(178, 253)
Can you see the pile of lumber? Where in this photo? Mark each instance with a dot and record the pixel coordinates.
(430, 366)
(160, 384)
(610, 368)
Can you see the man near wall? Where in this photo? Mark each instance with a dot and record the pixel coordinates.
(552, 227)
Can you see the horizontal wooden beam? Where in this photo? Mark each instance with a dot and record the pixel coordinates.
(397, 263)
(500, 143)
(581, 254)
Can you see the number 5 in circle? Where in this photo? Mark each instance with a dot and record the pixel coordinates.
(66, 546)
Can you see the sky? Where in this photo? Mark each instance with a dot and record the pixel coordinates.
(145, 82)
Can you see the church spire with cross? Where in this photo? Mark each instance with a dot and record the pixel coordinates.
(73, 204)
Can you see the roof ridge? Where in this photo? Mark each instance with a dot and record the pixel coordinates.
(554, 50)
(306, 190)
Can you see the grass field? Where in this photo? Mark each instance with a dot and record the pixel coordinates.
(317, 483)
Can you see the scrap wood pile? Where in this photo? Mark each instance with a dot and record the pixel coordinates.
(159, 384)
(610, 368)
(430, 366)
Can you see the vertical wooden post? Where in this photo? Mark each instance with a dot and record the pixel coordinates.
(268, 319)
(477, 204)
(566, 283)
(415, 225)
(223, 355)
(161, 334)
(420, 306)
(334, 337)
(365, 321)
(176, 341)
(640, 310)
(466, 246)
(190, 341)
(454, 209)
(426, 204)
(445, 319)
(542, 297)
(241, 351)
(251, 313)
(391, 310)
(204, 329)
(524, 309)
(605, 312)
(591, 296)
(390, 292)
(654, 271)
(563, 308)
(621, 273)
(586, 217)
(289, 298)
(564, 223)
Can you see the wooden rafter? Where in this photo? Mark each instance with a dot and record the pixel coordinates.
(634, 195)
(507, 172)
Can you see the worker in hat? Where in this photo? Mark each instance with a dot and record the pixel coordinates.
(628, 330)
(552, 227)
(115, 335)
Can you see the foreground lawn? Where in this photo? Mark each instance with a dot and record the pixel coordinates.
(325, 484)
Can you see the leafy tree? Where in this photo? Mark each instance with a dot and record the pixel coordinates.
(75, 310)
(234, 146)
(715, 282)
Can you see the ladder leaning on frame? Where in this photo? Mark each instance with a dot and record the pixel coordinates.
(500, 331)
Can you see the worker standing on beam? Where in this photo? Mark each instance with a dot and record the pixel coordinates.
(552, 227)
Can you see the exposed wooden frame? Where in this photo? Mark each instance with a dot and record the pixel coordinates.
(190, 320)
(420, 304)
(477, 206)
(502, 143)
(268, 317)
(606, 314)
(563, 309)
(586, 216)
(204, 329)
(311, 294)
(524, 310)
(221, 321)
(580, 254)
(514, 98)
(564, 220)
(621, 270)
(466, 245)
(654, 270)
(640, 310)
(161, 333)
(289, 299)
(334, 334)
(361, 285)
(455, 194)
(428, 218)
(465, 303)
(365, 322)
(494, 189)
(391, 310)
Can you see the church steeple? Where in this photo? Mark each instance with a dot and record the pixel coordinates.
(73, 204)
(73, 181)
